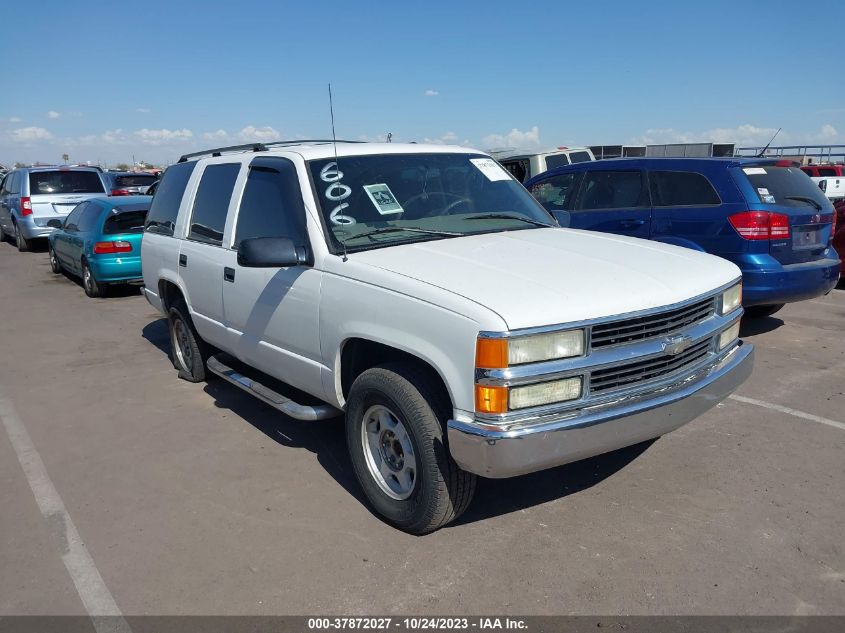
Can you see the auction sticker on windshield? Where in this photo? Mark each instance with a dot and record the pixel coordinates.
(383, 198)
(490, 168)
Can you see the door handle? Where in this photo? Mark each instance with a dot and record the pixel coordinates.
(183, 261)
(631, 223)
(229, 274)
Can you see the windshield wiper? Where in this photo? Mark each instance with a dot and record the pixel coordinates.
(508, 216)
(812, 201)
(410, 229)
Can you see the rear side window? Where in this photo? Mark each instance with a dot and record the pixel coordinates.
(73, 217)
(14, 184)
(165, 206)
(554, 192)
(681, 189)
(212, 202)
(88, 220)
(556, 160)
(134, 180)
(579, 157)
(272, 203)
(783, 185)
(612, 190)
(827, 172)
(519, 169)
(52, 182)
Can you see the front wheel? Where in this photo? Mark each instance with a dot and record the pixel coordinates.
(396, 435)
(759, 312)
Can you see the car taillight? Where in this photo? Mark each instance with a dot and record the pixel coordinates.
(760, 225)
(26, 206)
(120, 192)
(105, 248)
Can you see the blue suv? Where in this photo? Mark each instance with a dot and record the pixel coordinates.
(765, 216)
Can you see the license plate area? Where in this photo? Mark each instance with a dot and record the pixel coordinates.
(806, 237)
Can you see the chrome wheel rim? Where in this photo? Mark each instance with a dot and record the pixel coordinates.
(86, 278)
(181, 344)
(389, 452)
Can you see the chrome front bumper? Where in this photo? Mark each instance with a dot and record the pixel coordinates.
(482, 449)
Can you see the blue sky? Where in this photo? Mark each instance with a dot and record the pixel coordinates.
(106, 81)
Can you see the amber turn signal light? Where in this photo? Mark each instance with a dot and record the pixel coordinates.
(491, 399)
(491, 353)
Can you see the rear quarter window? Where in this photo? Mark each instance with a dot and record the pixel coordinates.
(556, 160)
(134, 181)
(579, 157)
(61, 182)
(165, 206)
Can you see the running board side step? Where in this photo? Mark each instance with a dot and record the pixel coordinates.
(273, 398)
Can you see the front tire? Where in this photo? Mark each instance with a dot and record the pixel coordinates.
(759, 312)
(93, 288)
(55, 266)
(189, 351)
(24, 245)
(396, 435)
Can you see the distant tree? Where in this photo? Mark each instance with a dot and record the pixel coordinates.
(19, 164)
(122, 167)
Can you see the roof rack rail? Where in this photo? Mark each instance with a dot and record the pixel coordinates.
(254, 147)
(258, 147)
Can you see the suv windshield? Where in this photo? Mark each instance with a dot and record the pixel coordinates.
(784, 185)
(419, 197)
(65, 181)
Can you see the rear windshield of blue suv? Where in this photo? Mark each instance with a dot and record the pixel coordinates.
(784, 185)
(47, 182)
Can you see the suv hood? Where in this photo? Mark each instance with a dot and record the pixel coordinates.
(539, 277)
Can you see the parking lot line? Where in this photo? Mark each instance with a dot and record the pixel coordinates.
(787, 410)
(89, 584)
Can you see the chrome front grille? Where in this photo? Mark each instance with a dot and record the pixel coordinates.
(645, 371)
(651, 325)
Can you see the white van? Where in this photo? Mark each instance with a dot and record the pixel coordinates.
(523, 165)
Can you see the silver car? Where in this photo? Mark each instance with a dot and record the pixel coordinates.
(32, 196)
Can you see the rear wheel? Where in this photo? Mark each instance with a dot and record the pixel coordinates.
(396, 435)
(758, 312)
(55, 266)
(2, 234)
(189, 351)
(21, 242)
(93, 288)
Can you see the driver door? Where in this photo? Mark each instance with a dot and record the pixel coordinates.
(271, 314)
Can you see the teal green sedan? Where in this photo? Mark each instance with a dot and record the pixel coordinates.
(100, 241)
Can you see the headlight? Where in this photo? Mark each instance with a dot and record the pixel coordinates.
(545, 393)
(497, 353)
(731, 299)
(729, 335)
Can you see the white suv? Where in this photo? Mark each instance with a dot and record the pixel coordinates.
(422, 292)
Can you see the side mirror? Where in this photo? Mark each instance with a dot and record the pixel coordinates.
(269, 252)
(55, 223)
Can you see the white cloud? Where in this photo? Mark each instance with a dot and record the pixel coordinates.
(449, 138)
(249, 134)
(15, 119)
(827, 134)
(515, 138)
(745, 134)
(157, 137)
(52, 114)
(27, 134)
(431, 93)
(109, 137)
(143, 110)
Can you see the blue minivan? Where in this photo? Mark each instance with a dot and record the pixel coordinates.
(764, 215)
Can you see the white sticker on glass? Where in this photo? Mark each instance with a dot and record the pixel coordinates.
(754, 171)
(383, 198)
(490, 168)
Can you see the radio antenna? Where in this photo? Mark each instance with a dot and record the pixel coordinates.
(762, 151)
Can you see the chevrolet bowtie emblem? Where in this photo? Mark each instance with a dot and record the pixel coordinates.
(676, 344)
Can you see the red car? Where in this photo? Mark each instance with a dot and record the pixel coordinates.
(839, 233)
